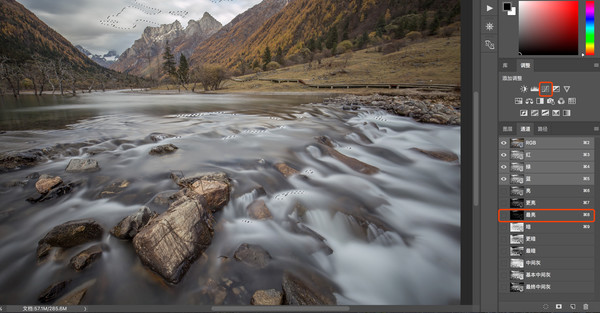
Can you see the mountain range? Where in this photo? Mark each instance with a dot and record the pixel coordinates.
(144, 56)
(288, 25)
(104, 60)
(24, 35)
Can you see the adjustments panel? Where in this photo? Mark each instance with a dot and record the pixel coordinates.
(547, 87)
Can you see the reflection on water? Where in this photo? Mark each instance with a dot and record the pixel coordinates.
(394, 234)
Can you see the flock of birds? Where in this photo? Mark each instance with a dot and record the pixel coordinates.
(114, 22)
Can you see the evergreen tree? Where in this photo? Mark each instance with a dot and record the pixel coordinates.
(312, 45)
(332, 37)
(362, 40)
(424, 20)
(169, 61)
(435, 24)
(279, 55)
(380, 27)
(183, 72)
(266, 57)
(345, 35)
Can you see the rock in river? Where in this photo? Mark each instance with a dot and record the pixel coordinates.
(252, 255)
(171, 242)
(163, 149)
(82, 166)
(327, 146)
(156, 137)
(47, 182)
(440, 155)
(86, 257)
(259, 210)
(75, 296)
(212, 189)
(285, 169)
(53, 291)
(307, 289)
(73, 233)
(267, 297)
(131, 225)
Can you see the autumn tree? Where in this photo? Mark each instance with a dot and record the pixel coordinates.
(212, 76)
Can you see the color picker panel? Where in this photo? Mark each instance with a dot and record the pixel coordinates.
(548, 27)
(589, 27)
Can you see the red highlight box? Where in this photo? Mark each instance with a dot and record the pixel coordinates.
(592, 221)
(551, 89)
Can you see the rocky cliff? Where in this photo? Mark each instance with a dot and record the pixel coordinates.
(144, 56)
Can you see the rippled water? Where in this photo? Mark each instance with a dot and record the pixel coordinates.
(395, 235)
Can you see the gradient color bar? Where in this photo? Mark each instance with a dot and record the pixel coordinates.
(589, 27)
(549, 27)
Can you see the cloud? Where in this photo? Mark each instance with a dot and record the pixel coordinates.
(100, 25)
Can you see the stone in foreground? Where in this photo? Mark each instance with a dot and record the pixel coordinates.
(82, 166)
(440, 155)
(75, 296)
(259, 210)
(86, 257)
(53, 291)
(72, 233)
(47, 182)
(170, 243)
(307, 289)
(267, 297)
(132, 224)
(285, 169)
(327, 146)
(163, 149)
(212, 189)
(252, 255)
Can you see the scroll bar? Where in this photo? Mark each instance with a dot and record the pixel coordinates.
(476, 148)
(279, 308)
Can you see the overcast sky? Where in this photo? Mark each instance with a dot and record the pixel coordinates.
(100, 25)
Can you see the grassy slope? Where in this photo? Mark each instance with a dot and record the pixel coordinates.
(434, 60)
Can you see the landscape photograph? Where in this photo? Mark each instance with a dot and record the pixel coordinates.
(230, 152)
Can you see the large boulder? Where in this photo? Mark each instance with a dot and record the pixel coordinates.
(72, 233)
(252, 255)
(171, 242)
(82, 166)
(211, 189)
(307, 289)
(131, 225)
(47, 182)
(267, 297)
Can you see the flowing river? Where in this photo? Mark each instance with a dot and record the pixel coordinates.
(394, 236)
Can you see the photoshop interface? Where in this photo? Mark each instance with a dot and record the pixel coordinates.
(530, 85)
